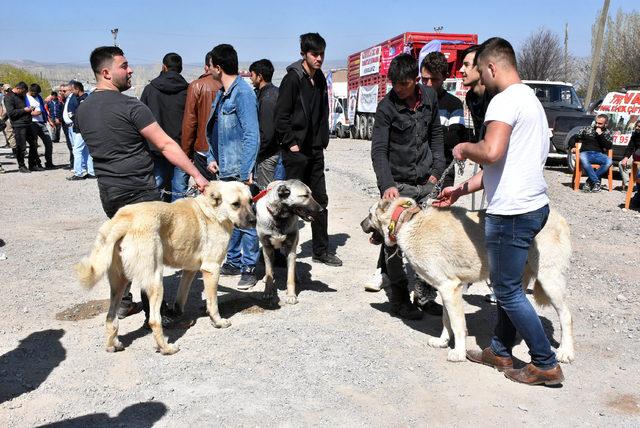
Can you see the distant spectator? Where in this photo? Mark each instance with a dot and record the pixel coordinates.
(596, 141)
(82, 160)
(65, 95)
(8, 131)
(20, 115)
(166, 96)
(631, 154)
(54, 107)
(269, 162)
(39, 120)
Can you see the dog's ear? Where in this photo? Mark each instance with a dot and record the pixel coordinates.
(215, 195)
(383, 205)
(283, 191)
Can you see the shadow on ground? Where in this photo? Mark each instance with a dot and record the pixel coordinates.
(25, 368)
(142, 415)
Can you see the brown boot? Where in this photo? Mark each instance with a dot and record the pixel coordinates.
(532, 375)
(488, 358)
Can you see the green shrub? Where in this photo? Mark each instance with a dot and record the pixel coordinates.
(12, 75)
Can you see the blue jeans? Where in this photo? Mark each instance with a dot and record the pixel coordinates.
(507, 239)
(243, 250)
(588, 158)
(163, 173)
(179, 183)
(82, 160)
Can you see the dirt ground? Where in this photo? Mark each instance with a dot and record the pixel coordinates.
(338, 358)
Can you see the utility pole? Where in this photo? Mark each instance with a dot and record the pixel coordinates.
(566, 52)
(596, 52)
(114, 33)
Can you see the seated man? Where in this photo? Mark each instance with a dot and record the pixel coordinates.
(631, 154)
(596, 141)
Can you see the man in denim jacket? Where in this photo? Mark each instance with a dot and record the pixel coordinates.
(234, 138)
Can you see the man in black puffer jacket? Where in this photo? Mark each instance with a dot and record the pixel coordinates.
(302, 126)
(166, 96)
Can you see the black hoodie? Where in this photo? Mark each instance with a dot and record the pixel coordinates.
(166, 96)
(295, 122)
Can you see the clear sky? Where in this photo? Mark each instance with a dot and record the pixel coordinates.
(65, 31)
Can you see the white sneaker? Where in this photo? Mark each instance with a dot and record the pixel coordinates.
(377, 281)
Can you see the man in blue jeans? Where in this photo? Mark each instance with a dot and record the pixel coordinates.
(233, 135)
(513, 153)
(596, 141)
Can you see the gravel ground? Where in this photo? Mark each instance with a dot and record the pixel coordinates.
(336, 358)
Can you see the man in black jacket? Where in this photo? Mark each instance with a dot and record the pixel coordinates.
(166, 96)
(267, 93)
(407, 150)
(302, 126)
(20, 116)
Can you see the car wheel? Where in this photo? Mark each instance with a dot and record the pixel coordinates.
(571, 162)
(362, 128)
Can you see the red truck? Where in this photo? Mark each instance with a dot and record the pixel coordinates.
(367, 81)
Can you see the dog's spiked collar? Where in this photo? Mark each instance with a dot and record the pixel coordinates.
(401, 214)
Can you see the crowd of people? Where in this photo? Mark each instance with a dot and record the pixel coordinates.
(219, 127)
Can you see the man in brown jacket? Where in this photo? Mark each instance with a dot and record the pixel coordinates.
(200, 96)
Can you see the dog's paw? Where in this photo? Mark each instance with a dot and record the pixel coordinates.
(169, 349)
(291, 300)
(565, 355)
(437, 342)
(221, 323)
(116, 346)
(457, 355)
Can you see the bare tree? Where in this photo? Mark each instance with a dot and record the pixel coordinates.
(541, 56)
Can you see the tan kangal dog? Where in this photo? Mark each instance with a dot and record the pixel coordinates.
(191, 234)
(446, 248)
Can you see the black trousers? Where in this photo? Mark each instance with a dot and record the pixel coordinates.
(24, 135)
(56, 132)
(65, 131)
(390, 258)
(308, 167)
(40, 131)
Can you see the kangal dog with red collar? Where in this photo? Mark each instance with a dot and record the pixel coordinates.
(446, 248)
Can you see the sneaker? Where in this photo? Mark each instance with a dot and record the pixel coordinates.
(377, 282)
(24, 169)
(247, 279)
(76, 177)
(327, 259)
(586, 187)
(596, 188)
(36, 168)
(90, 177)
(229, 270)
(129, 308)
(407, 311)
(491, 298)
(50, 166)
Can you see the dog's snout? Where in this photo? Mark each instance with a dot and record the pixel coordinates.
(366, 225)
(247, 219)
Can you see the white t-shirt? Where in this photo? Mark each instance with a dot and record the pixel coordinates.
(515, 184)
(34, 102)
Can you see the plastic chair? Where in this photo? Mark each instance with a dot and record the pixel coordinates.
(577, 174)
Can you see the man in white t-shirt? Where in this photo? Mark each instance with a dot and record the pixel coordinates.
(513, 153)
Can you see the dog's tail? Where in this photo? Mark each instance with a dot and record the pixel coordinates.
(92, 268)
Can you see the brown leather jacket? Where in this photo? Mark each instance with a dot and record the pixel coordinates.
(200, 96)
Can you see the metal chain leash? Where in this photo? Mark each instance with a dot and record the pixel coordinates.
(438, 186)
(192, 192)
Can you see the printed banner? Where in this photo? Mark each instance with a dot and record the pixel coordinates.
(329, 80)
(623, 110)
(389, 52)
(368, 99)
(351, 105)
(370, 61)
